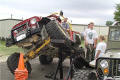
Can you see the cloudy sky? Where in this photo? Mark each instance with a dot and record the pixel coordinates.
(79, 11)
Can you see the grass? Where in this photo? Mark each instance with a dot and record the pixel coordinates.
(8, 50)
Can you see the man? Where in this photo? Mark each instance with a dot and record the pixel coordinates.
(65, 25)
(90, 37)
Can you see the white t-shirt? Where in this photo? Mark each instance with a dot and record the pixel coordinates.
(102, 47)
(90, 35)
(85, 32)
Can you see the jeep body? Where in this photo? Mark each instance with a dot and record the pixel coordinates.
(41, 36)
(108, 66)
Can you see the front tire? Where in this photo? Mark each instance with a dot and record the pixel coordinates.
(13, 60)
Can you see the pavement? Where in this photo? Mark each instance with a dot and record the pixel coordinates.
(38, 71)
(3, 58)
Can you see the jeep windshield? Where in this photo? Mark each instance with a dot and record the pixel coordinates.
(113, 37)
(114, 34)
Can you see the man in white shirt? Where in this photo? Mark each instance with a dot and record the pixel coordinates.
(90, 37)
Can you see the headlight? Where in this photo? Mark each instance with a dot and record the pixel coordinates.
(104, 64)
(33, 21)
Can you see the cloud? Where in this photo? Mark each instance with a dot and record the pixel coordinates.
(16, 13)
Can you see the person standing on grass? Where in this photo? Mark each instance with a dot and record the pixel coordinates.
(90, 38)
(101, 47)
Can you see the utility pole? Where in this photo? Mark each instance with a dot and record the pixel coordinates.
(11, 16)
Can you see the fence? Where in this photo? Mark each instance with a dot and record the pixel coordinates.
(101, 30)
(7, 24)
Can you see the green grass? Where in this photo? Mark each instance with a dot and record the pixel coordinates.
(8, 50)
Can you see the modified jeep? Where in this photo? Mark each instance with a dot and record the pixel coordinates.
(42, 36)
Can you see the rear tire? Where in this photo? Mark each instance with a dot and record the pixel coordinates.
(13, 60)
(80, 62)
(45, 59)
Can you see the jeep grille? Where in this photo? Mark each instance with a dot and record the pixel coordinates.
(113, 66)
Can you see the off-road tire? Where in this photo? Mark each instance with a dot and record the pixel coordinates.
(13, 60)
(45, 59)
(84, 74)
(56, 32)
(80, 62)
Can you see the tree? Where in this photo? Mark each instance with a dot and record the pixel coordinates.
(108, 23)
(117, 13)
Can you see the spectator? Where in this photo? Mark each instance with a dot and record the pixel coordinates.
(101, 47)
(65, 25)
(90, 37)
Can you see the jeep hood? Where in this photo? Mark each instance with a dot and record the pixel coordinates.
(109, 54)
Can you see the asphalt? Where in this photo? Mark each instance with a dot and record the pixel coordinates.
(38, 71)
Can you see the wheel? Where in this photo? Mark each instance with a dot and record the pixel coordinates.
(45, 59)
(100, 74)
(92, 76)
(56, 32)
(84, 74)
(80, 62)
(13, 60)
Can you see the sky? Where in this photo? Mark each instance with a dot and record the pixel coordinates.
(78, 11)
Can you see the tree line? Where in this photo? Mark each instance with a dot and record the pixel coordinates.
(116, 15)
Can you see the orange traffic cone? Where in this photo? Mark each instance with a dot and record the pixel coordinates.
(21, 72)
